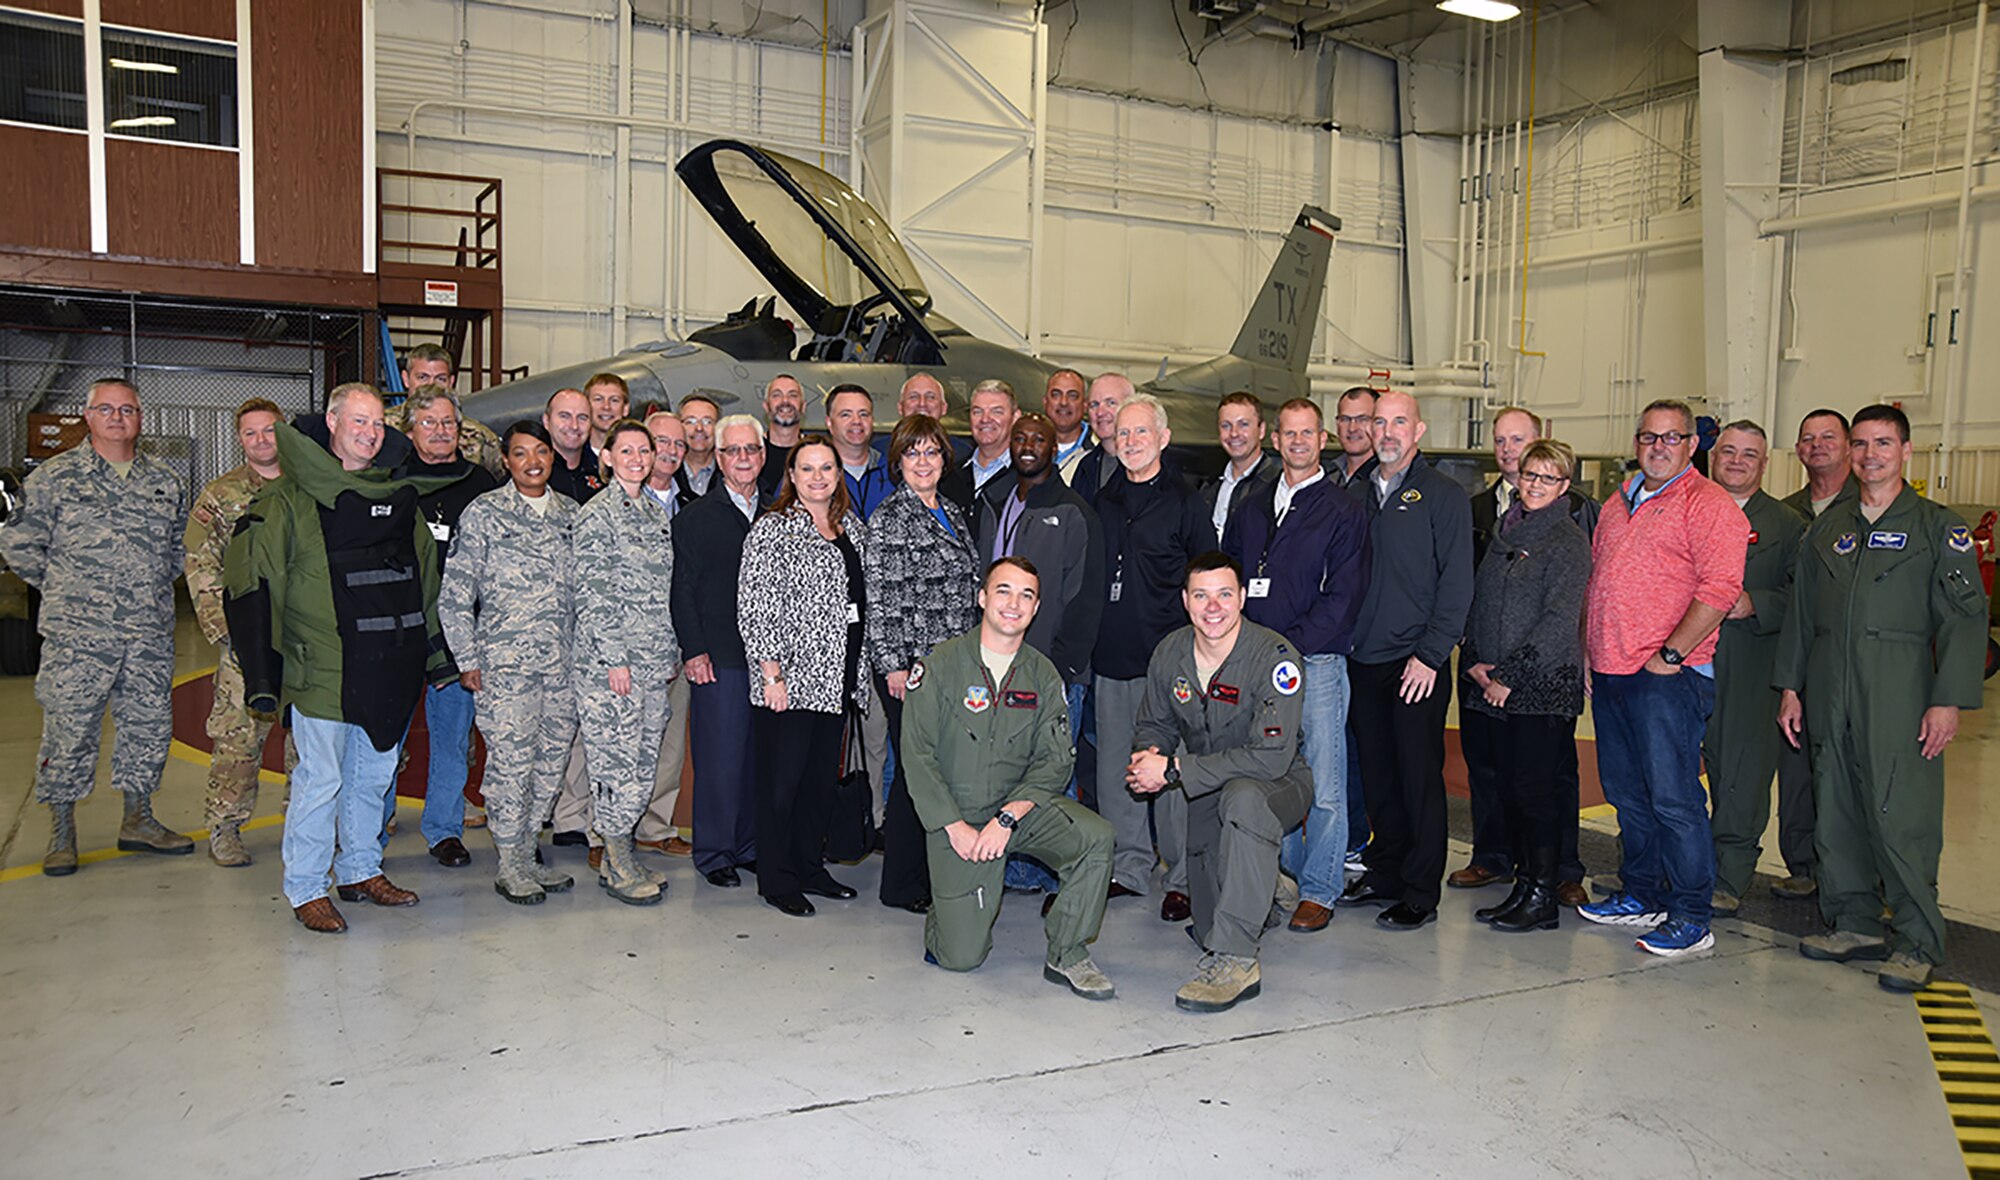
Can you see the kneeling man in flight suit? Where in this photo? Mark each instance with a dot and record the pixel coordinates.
(1232, 692)
(988, 754)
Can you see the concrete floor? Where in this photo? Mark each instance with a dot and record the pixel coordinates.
(165, 1016)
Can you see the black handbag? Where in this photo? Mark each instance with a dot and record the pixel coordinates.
(851, 835)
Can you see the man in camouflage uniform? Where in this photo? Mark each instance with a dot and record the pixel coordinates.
(236, 734)
(99, 533)
(428, 365)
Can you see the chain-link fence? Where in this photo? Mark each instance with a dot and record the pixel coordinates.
(193, 364)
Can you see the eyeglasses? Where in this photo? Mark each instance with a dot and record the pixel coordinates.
(1543, 478)
(662, 443)
(923, 453)
(114, 411)
(742, 452)
(1355, 419)
(1672, 438)
(436, 423)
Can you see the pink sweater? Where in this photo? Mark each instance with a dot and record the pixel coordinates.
(1685, 543)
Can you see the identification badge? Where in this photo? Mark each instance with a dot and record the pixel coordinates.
(440, 531)
(853, 613)
(1260, 588)
(1880, 539)
(1117, 591)
(1015, 699)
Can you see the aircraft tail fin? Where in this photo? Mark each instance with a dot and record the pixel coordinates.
(1279, 328)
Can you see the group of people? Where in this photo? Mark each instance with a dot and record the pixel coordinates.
(1076, 667)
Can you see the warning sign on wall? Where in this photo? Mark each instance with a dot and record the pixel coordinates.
(440, 293)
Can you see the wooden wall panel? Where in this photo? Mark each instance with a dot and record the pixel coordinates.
(45, 192)
(195, 18)
(169, 201)
(52, 7)
(306, 100)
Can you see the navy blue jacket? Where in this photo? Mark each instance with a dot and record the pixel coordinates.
(1318, 562)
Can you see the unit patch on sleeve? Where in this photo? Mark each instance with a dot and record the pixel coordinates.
(1285, 677)
(1960, 538)
(916, 680)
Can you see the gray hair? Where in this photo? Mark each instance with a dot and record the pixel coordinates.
(1152, 403)
(1677, 406)
(1749, 427)
(423, 398)
(103, 382)
(343, 393)
(739, 420)
(996, 385)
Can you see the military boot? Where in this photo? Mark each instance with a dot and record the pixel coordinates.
(1841, 946)
(225, 845)
(549, 877)
(1220, 983)
(61, 860)
(622, 877)
(142, 833)
(516, 881)
(1906, 971)
(1284, 902)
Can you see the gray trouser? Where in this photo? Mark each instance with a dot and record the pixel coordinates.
(572, 810)
(658, 822)
(1132, 855)
(875, 751)
(1232, 854)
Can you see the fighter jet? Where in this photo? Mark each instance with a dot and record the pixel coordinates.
(833, 260)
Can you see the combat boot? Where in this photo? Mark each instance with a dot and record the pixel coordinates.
(225, 845)
(1906, 971)
(516, 881)
(622, 877)
(1220, 983)
(549, 877)
(142, 833)
(61, 860)
(1841, 946)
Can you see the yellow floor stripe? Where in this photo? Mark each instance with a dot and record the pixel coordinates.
(1968, 1069)
(20, 872)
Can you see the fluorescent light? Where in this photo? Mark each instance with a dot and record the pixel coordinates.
(150, 67)
(141, 121)
(1481, 9)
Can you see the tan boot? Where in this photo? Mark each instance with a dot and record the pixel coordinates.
(622, 877)
(142, 833)
(516, 881)
(61, 859)
(1220, 983)
(225, 845)
(549, 877)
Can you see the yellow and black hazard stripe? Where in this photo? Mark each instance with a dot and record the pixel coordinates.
(1968, 1069)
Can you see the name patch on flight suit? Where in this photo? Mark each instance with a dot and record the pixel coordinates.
(1228, 694)
(978, 699)
(1845, 544)
(1880, 539)
(1285, 677)
(1016, 699)
(1183, 691)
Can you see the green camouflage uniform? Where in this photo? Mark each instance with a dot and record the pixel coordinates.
(513, 565)
(104, 551)
(235, 733)
(625, 566)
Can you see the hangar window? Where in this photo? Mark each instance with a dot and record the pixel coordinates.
(172, 88)
(41, 71)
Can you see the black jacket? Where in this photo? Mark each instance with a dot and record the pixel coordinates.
(1093, 471)
(956, 485)
(1262, 476)
(579, 483)
(1318, 563)
(1061, 536)
(1527, 617)
(1486, 514)
(1151, 531)
(1420, 585)
(442, 508)
(708, 553)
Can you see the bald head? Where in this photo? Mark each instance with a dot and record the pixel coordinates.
(1399, 427)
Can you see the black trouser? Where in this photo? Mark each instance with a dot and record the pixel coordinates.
(1493, 843)
(1531, 789)
(906, 870)
(723, 749)
(1402, 771)
(798, 763)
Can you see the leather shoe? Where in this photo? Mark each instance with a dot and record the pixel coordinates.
(794, 904)
(920, 906)
(1570, 894)
(671, 846)
(1117, 891)
(1310, 918)
(1175, 907)
(1404, 916)
(596, 858)
(319, 916)
(450, 852)
(724, 878)
(1362, 893)
(828, 887)
(377, 890)
(569, 839)
(1476, 876)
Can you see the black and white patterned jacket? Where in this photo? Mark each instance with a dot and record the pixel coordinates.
(791, 607)
(923, 580)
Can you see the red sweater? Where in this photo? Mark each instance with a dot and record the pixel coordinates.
(1684, 544)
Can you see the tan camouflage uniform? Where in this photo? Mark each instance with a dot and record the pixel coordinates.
(514, 564)
(104, 551)
(236, 733)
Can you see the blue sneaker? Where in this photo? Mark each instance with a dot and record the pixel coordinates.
(1677, 936)
(1621, 909)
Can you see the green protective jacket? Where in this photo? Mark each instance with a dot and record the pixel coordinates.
(970, 745)
(1887, 619)
(330, 588)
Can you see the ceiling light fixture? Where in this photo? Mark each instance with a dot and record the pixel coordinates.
(1495, 10)
(141, 121)
(149, 67)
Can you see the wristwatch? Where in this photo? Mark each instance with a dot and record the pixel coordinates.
(1672, 656)
(1006, 820)
(1173, 775)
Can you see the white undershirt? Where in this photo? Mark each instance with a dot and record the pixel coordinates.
(1287, 489)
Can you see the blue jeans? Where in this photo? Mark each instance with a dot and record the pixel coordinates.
(1649, 731)
(448, 718)
(1357, 799)
(337, 792)
(1023, 872)
(1316, 853)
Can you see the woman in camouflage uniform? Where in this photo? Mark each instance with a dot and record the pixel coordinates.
(626, 653)
(511, 562)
